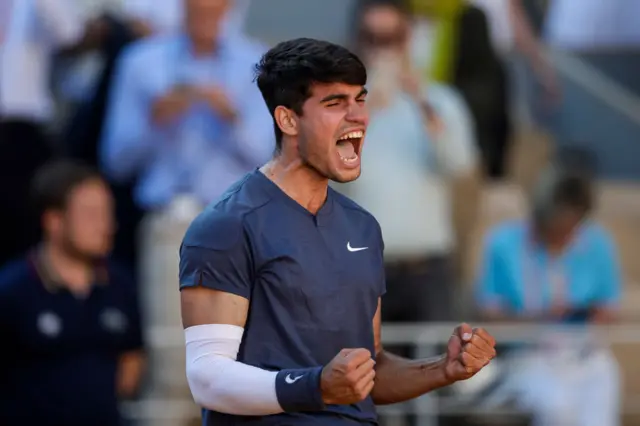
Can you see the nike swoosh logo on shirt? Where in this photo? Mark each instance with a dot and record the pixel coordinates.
(352, 249)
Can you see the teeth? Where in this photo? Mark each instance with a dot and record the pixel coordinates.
(349, 160)
(352, 135)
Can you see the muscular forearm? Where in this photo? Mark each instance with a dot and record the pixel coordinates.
(399, 379)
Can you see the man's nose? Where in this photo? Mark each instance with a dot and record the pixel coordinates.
(358, 113)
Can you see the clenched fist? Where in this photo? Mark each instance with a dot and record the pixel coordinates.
(468, 351)
(348, 378)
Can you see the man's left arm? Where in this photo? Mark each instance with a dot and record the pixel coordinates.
(399, 379)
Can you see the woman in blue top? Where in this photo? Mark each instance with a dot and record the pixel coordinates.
(557, 267)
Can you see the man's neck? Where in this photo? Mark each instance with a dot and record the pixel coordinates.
(300, 182)
(69, 271)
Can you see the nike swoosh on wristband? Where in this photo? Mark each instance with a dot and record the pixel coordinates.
(291, 380)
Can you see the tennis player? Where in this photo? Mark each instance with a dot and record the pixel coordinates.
(281, 279)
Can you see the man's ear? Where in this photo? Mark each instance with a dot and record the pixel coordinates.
(287, 121)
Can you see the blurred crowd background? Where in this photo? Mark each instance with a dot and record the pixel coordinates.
(489, 118)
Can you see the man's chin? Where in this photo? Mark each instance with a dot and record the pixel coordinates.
(346, 176)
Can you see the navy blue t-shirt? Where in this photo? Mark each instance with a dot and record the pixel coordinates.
(61, 352)
(313, 282)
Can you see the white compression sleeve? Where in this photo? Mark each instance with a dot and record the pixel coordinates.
(218, 382)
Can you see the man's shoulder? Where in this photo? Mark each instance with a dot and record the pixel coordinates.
(223, 222)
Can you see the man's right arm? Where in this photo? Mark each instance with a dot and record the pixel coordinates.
(216, 278)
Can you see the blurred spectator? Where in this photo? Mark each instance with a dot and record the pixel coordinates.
(166, 17)
(512, 30)
(467, 43)
(461, 52)
(69, 316)
(418, 141)
(560, 268)
(148, 17)
(86, 81)
(516, 40)
(185, 116)
(37, 29)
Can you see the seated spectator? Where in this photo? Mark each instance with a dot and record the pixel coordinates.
(184, 114)
(68, 316)
(558, 267)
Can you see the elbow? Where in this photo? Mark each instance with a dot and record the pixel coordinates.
(205, 390)
(202, 388)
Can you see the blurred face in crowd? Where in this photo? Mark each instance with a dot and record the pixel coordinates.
(330, 131)
(85, 228)
(382, 43)
(204, 18)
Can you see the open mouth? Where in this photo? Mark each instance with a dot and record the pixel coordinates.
(349, 146)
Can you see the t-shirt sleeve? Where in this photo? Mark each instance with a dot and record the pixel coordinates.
(215, 254)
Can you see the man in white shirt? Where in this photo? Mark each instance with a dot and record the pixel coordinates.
(36, 30)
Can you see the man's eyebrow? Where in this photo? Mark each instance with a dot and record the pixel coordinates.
(335, 97)
(342, 96)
